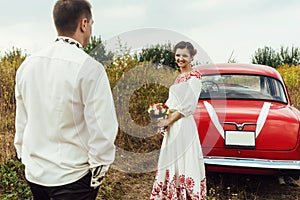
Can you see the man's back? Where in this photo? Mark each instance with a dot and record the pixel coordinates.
(55, 85)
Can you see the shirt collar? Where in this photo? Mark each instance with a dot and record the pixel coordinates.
(69, 40)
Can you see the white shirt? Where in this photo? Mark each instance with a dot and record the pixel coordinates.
(65, 117)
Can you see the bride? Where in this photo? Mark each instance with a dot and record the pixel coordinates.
(180, 173)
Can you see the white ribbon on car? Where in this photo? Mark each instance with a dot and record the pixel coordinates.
(259, 123)
(262, 117)
(214, 117)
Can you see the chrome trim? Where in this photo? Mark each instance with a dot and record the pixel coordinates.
(239, 126)
(252, 162)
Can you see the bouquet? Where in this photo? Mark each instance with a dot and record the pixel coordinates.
(159, 111)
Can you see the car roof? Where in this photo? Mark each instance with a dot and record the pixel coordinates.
(236, 68)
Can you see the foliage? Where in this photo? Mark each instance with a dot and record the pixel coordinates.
(8, 67)
(122, 62)
(289, 57)
(291, 77)
(268, 56)
(13, 184)
(125, 72)
(158, 54)
(96, 49)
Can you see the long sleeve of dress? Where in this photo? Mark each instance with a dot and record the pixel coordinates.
(187, 94)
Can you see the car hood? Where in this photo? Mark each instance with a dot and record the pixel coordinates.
(279, 125)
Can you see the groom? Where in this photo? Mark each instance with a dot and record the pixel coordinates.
(65, 117)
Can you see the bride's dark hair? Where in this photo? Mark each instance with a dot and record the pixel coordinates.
(187, 45)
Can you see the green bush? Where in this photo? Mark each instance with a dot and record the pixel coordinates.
(13, 184)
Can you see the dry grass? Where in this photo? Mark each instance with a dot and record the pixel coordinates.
(291, 77)
(129, 186)
(136, 186)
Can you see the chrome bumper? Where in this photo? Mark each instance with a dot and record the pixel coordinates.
(252, 162)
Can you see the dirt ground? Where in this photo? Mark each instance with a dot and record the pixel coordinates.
(124, 186)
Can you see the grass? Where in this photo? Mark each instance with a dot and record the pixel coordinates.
(119, 184)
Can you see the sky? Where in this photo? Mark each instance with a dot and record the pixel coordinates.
(222, 29)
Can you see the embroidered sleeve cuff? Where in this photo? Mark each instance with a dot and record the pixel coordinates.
(98, 174)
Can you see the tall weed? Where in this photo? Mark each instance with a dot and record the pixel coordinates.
(9, 64)
(291, 77)
(13, 185)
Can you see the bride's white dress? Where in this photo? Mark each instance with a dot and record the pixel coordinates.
(181, 174)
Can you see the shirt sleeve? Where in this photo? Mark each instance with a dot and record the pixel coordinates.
(20, 119)
(187, 94)
(100, 116)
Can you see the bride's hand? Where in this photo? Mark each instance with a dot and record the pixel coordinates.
(162, 126)
(163, 122)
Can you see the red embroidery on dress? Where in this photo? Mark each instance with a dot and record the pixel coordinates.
(183, 78)
(183, 191)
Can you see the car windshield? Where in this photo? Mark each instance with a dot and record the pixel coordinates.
(242, 86)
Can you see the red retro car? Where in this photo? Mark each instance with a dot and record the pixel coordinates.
(246, 121)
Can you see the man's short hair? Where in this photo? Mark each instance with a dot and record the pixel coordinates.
(68, 13)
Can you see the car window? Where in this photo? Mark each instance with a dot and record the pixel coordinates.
(242, 86)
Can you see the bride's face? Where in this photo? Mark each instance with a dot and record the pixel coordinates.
(183, 57)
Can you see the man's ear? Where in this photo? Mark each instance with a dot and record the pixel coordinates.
(83, 24)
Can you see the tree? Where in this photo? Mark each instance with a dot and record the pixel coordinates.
(158, 54)
(96, 49)
(266, 56)
(290, 57)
